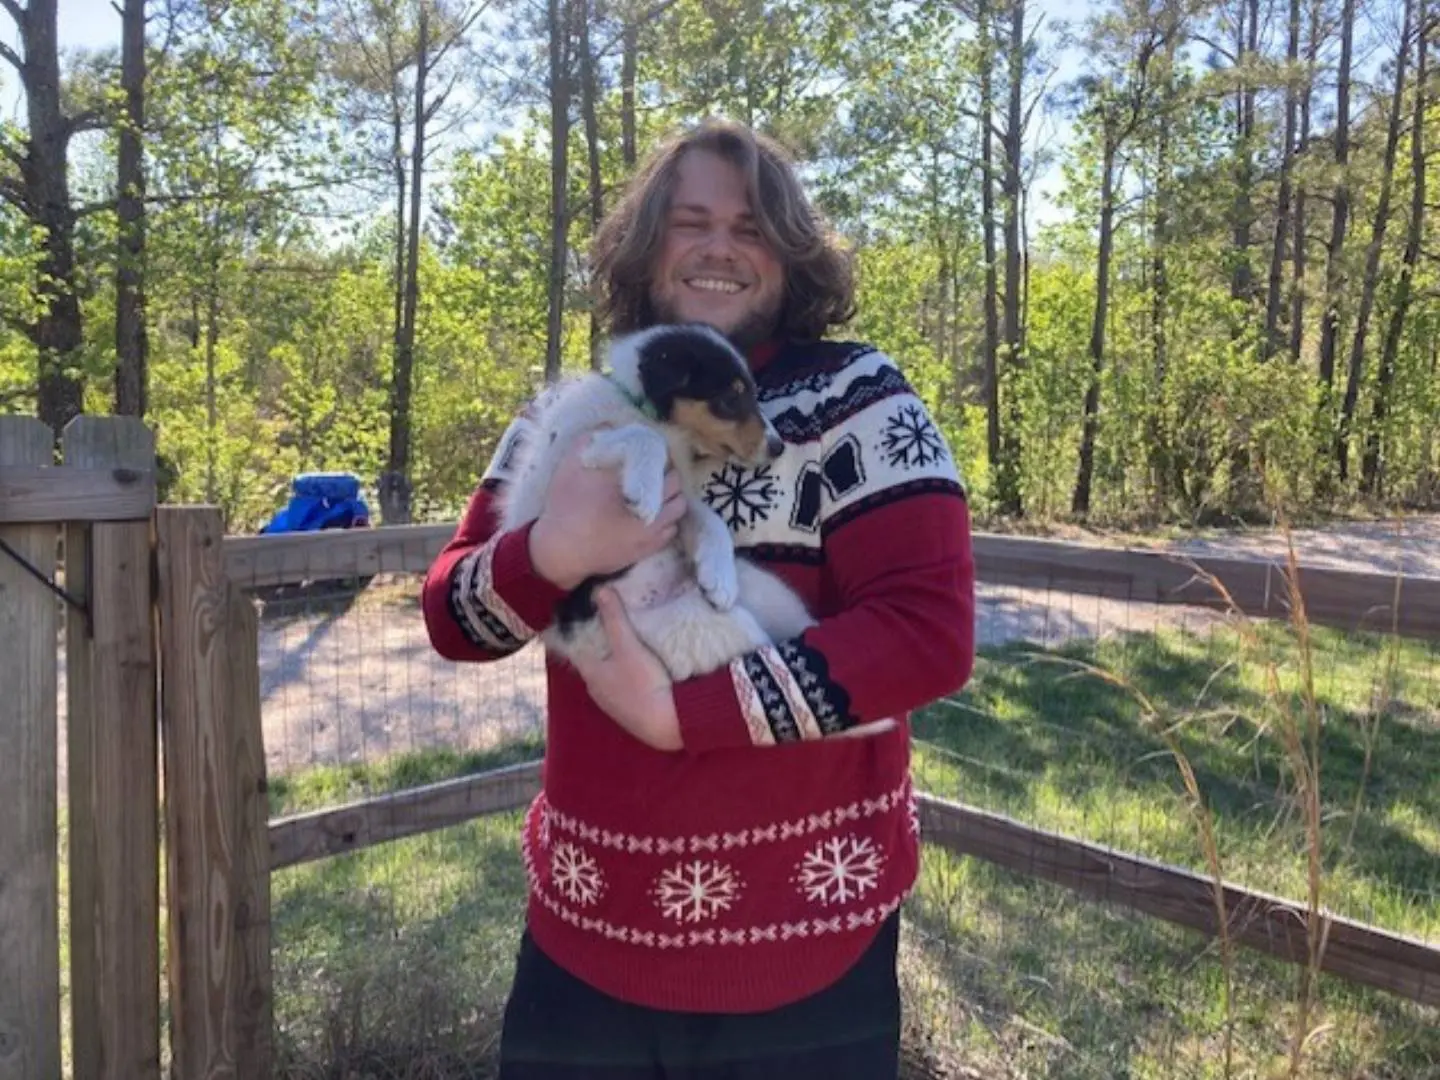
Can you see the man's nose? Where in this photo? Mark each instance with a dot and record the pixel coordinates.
(719, 244)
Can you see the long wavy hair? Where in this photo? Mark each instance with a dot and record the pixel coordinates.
(819, 279)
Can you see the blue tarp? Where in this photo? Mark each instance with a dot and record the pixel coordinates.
(321, 501)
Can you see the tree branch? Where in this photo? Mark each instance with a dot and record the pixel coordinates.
(12, 193)
(12, 57)
(242, 196)
(86, 120)
(647, 16)
(16, 11)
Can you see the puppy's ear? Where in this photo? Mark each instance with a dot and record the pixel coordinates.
(663, 371)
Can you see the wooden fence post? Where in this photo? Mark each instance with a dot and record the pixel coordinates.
(29, 922)
(216, 807)
(113, 763)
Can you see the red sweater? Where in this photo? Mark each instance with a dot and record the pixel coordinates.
(753, 867)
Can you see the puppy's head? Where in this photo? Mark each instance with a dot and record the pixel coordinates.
(697, 381)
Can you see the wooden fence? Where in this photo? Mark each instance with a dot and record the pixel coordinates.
(161, 594)
(99, 504)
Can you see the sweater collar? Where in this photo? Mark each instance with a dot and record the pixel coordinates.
(760, 355)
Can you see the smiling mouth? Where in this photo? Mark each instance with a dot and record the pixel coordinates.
(715, 285)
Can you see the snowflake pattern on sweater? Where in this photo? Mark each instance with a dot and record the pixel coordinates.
(835, 872)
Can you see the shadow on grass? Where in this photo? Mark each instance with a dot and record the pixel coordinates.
(1031, 980)
(1044, 742)
(395, 961)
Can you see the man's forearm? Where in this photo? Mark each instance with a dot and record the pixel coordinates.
(904, 638)
(483, 597)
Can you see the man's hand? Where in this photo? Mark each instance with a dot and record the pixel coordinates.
(631, 685)
(586, 528)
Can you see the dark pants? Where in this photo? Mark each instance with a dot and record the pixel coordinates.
(558, 1028)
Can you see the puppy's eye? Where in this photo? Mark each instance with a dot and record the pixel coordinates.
(729, 405)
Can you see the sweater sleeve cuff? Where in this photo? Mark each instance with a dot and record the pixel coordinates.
(514, 579)
(710, 714)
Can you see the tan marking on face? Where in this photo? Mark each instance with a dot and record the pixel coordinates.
(744, 439)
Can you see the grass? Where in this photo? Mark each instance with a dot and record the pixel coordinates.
(1035, 737)
(1296, 760)
(394, 961)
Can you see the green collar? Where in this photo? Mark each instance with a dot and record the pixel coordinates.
(643, 404)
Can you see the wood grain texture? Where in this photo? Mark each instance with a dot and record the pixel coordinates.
(42, 494)
(322, 833)
(252, 990)
(113, 774)
(29, 919)
(219, 962)
(1270, 924)
(1346, 599)
(290, 558)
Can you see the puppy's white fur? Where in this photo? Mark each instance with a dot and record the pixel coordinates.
(695, 604)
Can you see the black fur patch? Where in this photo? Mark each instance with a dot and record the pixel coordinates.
(691, 362)
(578, 606)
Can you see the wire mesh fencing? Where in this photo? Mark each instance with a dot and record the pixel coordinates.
(1084, 718)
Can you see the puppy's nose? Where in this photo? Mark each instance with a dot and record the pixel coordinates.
(774, 445)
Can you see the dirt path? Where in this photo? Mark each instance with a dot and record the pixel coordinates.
(341, 687)
(1412, 547)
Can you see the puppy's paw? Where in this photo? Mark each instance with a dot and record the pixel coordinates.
(715, 573)
(643, 495)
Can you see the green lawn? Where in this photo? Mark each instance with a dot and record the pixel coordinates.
(1037, 737)
(1052, 985)
(394, 961)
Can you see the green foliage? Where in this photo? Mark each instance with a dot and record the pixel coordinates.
(271, 160)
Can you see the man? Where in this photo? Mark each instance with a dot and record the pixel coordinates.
(716, 866)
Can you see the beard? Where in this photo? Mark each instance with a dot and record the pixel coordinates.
(759, 324)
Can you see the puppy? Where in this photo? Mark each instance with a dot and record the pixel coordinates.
(676, 395)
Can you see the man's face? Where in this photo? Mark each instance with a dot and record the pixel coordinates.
(714, 265)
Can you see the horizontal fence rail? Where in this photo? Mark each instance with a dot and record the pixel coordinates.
(46, 494)
(1269, 924)
(302, 838)
(1344, 599)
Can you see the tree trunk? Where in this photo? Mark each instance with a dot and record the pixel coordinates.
(990, 345)
(44, 197)
(1372, 254)
(559, 170)
(395, 486)
(1372, 477)
(1242, 284)
(1160, 466)
(1080, 503)
(1007, 483)
(629, 63)
(1243, 481)
(212, 341)
(131, 344)
(1273, 342)
(1301, 242)
(397, 159)
(1340, 216)
(588, 93)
